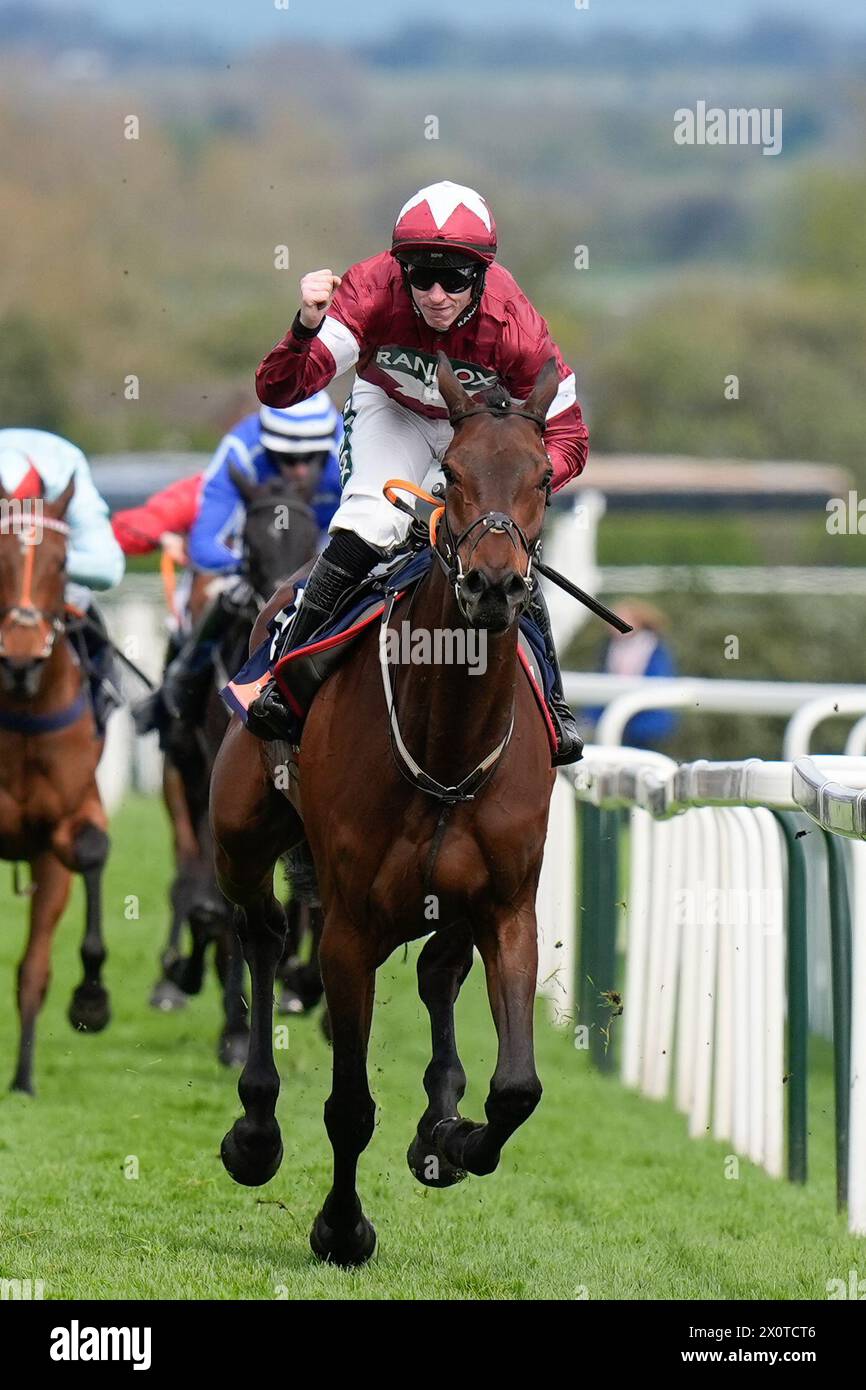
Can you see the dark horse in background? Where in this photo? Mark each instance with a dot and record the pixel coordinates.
(51, 813)
(280, 534)
(385, 849)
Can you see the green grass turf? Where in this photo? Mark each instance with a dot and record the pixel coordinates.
(601, 1194)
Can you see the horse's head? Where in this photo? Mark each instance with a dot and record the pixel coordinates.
(33, 538)
(497, 484)
(280, 530)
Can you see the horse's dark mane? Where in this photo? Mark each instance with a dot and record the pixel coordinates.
(276, 487)
(496, 397)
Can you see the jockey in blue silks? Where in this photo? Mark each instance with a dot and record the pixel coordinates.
(271, 441)
(34, 464)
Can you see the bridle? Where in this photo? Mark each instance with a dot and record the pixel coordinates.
(24, 613)
(268, 500)
(489, 523)
(450, 561)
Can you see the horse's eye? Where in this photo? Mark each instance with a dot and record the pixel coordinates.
(447, 474)
(546, 481)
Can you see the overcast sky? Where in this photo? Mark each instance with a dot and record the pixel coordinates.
(256, 20)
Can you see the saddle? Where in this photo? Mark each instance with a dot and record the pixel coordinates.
(300, 672)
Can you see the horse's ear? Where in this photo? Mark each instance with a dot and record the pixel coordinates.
(544, 390)
(57, 508)
(455, 398)
(245, 485)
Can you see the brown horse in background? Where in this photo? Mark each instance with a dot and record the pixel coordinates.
(51, 813)
(396, 862)
(280, 532)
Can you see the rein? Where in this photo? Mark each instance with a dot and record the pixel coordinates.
(470, 785)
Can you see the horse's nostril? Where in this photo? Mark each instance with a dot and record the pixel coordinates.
(514, 586)
(474, 583)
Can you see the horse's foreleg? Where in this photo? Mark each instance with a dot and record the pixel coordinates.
(51, 882)
(509, 949)
(341, 1233)
(234, 1040)
(84, 849)
(443, 965)
(252, 1151)
(251, 826)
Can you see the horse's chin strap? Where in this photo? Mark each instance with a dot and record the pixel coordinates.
(469, 786)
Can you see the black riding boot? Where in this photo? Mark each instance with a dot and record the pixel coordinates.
(186, 678)
(570, 743)
(102, 669)
(341, 566)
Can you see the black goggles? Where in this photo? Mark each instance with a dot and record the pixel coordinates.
(294, 460)
(453, 279)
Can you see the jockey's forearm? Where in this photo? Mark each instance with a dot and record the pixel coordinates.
(305, 360)
(98, 566)
(295, 369)
(567, 442)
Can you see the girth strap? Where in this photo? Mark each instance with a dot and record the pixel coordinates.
(24, 723)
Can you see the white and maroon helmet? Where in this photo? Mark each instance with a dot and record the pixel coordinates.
(445, 224)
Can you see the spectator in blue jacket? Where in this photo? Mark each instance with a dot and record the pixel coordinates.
(642, 652)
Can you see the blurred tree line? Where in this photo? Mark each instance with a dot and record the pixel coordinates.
(154, 257)
(153, 260)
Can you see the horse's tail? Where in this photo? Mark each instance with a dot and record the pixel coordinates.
(301, 873)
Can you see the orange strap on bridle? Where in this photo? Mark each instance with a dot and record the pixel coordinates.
(169, 581)
(394, 485)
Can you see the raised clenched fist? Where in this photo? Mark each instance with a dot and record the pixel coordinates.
(317, 292)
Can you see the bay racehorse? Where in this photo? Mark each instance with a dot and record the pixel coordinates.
(280, 532)
(51, 814)
(431, 820)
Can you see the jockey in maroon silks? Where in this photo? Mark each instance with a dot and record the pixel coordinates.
(438, 287)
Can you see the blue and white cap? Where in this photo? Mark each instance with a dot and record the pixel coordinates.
(305, 428)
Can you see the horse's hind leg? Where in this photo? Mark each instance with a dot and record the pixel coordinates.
(89, 1009)
(51, 882)
(166, 994)
(509, 950)
(341, 1233)
(443, 965)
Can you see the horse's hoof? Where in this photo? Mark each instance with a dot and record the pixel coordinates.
(250, 1158)
(347, 1251)
(23, 1086)
(233, 1048)
(167, 997)
(189, 975)
(458, 1142)
(290, 1002)
(428, 1166)
(89, 1010)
